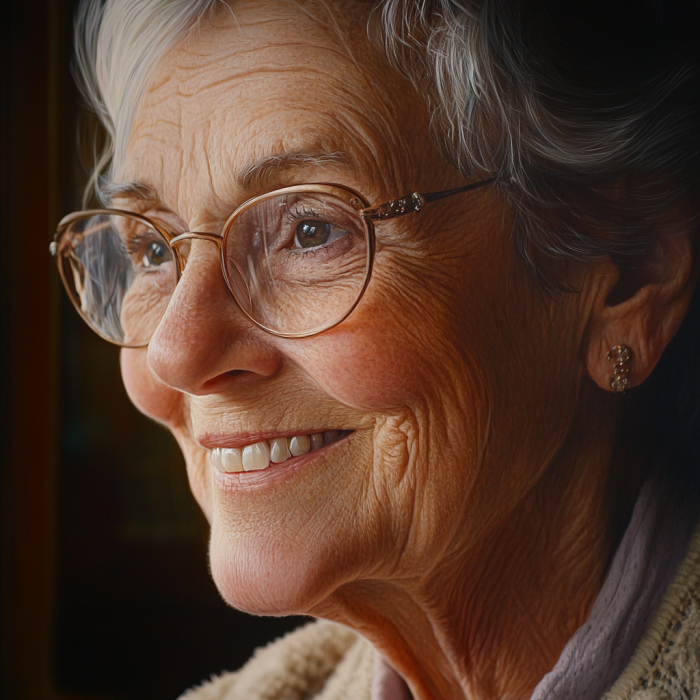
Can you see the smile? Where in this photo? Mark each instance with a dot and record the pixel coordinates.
(260, 455)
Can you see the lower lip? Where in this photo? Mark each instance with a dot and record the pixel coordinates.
(275, 473)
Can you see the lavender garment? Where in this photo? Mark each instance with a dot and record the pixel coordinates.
(386, 683)
(651, 550)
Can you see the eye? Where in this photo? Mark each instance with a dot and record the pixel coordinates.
(156, 254)
(311, 234)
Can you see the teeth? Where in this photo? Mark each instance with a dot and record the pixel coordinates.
(259, 455)
(300, 445)
(316, 441)
(256, 457)
(227, 460)
(232, 461)
(279, 450)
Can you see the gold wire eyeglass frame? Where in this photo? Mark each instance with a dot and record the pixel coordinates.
(392, 209)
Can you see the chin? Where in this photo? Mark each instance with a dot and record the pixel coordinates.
(283, 540)
(272, 574)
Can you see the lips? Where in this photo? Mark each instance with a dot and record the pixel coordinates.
(267, 453)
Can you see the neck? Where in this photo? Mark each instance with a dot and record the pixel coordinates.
(493, 618)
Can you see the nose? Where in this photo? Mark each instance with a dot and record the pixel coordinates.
(205, 344)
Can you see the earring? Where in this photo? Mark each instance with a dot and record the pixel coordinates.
(620, 356)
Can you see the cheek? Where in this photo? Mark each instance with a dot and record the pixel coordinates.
(394, 351)
(150, 396)
(365, 367)
(419, 325)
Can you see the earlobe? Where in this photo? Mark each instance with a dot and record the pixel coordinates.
(647, 319)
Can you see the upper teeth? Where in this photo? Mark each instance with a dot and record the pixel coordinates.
(259, 455)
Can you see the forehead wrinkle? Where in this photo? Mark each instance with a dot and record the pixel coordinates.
(200, 52)
(201, 88)
(206, 139)
(351, 140)
(241, 78)
(307, 51)
(381, 153)
(363, 137)
(321, 22)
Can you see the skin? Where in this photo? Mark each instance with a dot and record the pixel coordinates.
(465, 525)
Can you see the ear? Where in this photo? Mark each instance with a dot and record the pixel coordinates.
(643, 308)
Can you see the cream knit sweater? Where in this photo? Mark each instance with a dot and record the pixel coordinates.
(324, 661)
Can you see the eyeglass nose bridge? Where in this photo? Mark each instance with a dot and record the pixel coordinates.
(183, 253)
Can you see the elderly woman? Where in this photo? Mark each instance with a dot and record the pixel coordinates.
(396, 276)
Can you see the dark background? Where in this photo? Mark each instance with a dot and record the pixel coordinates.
(104, 581)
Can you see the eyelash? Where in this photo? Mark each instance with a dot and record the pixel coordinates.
(135, 244)
(297, 215)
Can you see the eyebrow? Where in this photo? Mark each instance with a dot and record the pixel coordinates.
(134, 190)
(250, 177)
(266, 170)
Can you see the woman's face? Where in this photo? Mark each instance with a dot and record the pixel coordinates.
(454, 377)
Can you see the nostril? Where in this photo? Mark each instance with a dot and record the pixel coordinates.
(220, 381)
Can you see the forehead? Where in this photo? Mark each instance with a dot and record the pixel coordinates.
(276, 78)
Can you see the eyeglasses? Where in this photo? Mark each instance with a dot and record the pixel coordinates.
(296, 261)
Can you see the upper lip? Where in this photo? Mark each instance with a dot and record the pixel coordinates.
(211, 440)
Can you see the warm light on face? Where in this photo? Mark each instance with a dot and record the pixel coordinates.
(362, 451)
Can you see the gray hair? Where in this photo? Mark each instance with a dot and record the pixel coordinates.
(118, 44)
(569, 103)
(560, 109)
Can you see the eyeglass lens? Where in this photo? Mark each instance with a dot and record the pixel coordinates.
(120, 274)
(296, 263)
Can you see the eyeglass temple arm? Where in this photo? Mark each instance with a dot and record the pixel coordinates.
(415, 202)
